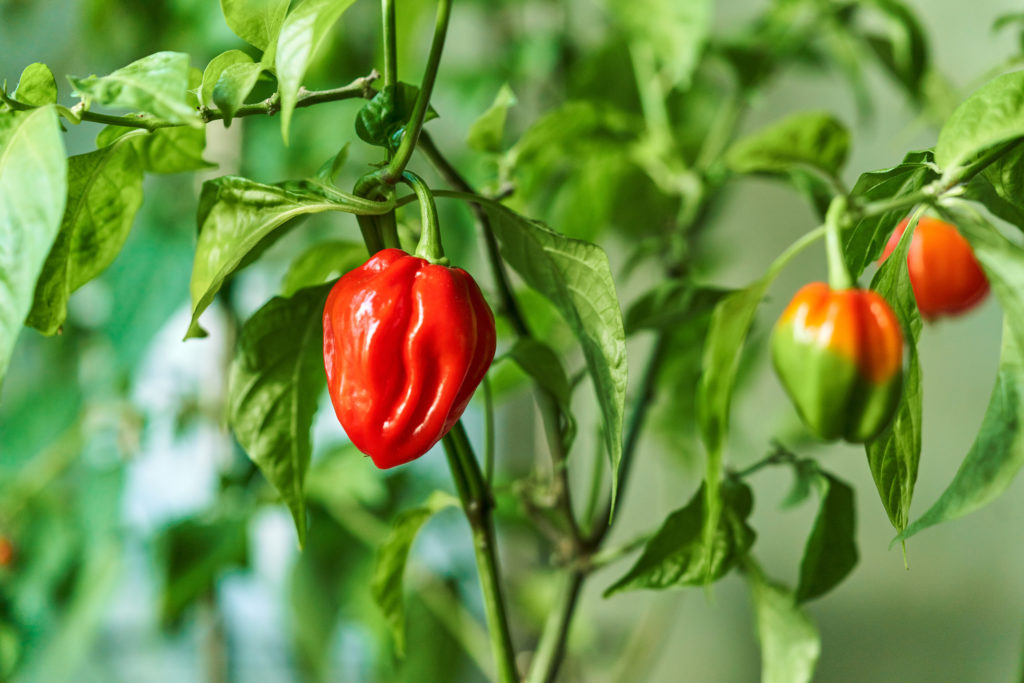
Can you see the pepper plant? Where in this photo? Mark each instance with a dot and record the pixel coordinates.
(590, 228)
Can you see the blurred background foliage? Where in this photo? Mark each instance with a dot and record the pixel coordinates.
(146, 546)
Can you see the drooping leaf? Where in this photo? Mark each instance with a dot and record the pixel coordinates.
(165, 150)
(676, 33)
(903, 49)
(233, 86)
(814, 140)
(104, 193)
(576, 277)
(893, 455)
(790, 645)
(1001, 187)
(156, 85)
(992, 115)
(383, 119)
(36, 86)
(676, 556)
(33, 189)
(276, 380)
(542, 364)
(215, 68)
(332, 167)
(258, 22)
(486, 134)
(831, 550)
(389, 570)
(301, 36)
(322, 262)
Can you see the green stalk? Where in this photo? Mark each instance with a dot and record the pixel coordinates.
(551, 648)
(429, 246)
(838, 272)
(390, 43)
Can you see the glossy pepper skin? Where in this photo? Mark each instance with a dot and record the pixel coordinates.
(406, 343)
(946, 277)
(839, 354)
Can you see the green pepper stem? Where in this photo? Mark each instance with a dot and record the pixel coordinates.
(838, 272)
(390, 43)
(429, 246)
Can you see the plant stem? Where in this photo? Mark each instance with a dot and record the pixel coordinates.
(429, 247)
(390, 43)
(551, 648)
(838, 272)
(477, 505)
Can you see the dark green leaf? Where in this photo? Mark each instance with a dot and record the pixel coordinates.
(893, 455)
(676, 556)
(33, 189)
(993, 114)
(815, 140)
(790, 645)
(576, 277)
(383, 119)
(215, 68)
(488, 131)
(389, 570)
(276, 380)
(37, 86)
(157, 85)
(104, 193)
(322, 262)
(301, 36)
(164, 150)
(233, 86)
(831, 550)
(257, 22)
(670, 304)
(1001, 187)
(903, 51)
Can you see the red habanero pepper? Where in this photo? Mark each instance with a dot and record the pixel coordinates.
(946, 277)
(406, 343)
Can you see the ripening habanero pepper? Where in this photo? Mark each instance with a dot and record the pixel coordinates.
(406, 342)
(946, 277)
(839, 354)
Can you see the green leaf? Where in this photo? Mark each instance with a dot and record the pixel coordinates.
(1001, 187)
(389, 569)
(542, 364)
(33, 189)
(383, 119)
(672, 303)
(676, 556)
(332, 167)
(675, 31)
(893, 455)
(302, 35)
(104, 193)
(790, 645)
(992, 115)
(815, 140)
(195, 552)
(487, 132)
(258, 22)
(233, 86)
(576, 277)
(238, 219)
(165, 150)
(865, 240)
(36, 87)
(215, 68)
(321, 263)
(276, 379)
(831, 550)
(157, 85)
(904, 50)
(997, 454)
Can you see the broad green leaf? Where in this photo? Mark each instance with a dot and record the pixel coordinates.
(576, 277)
(33, 189)
(258, 22)
(542, 364)
(302, 34)
(814, 140)
(893, 455)
(676, 556)
(997, 454)
(157, 85)
(676, 32)
(321, 263)
(214, 70)
(671, 303)
(275, 383)
(239, 218)
(992, 115)
(195, 552)
(831, 550)
(790, 645)
(903, 51)
(177, 149)
(389, 570)
(233, 86)
(104, 193)
(37, 86)
(488, 131)
(865, 240)
(1001, 187)
(383, 119)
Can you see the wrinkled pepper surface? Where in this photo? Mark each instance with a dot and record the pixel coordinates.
(946, 278)
(406, 343)
(839, 355)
